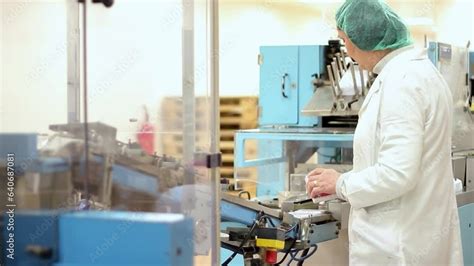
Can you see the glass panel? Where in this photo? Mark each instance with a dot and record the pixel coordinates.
(144, 157)
(286, 155)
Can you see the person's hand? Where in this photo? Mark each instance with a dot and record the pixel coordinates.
(322, 181)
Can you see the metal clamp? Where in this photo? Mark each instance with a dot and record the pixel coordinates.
(283, 79)
(208, 160)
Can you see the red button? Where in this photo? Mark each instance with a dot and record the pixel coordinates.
(271, 256)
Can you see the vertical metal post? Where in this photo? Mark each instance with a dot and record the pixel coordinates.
(189, 125)
(73, 62)
(215, 124)
(85, 99)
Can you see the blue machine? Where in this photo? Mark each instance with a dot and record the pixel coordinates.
(35, 239)
(66, 237)
(100, 238)
(23, 146)
(289, 78)
(286, 74)
(125, 238)
(466, 219)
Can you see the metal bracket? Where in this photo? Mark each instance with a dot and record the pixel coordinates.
(208, 160)
(107, 3)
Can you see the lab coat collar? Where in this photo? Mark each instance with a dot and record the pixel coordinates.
(405, 53)
(384, 61)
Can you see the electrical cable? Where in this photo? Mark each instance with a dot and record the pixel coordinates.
(288, 252)
(291, 259)
(304, 253)
(247, 237)
(292, 244)
(268, 219)
(303, 258)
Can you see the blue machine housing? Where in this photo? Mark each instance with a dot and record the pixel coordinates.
(286, 75)
(124, 238)
(101, 238)
(23, 146)
(466, 220)
(32, 228)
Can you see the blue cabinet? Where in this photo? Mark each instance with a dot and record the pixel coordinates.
(286, 83)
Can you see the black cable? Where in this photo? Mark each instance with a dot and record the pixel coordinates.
(293, 227)
(268, 219)
(303, 254)
(288, 252)
(247, 237)
(231, 257)
(303, 258)
(291, 246)
(291, 260)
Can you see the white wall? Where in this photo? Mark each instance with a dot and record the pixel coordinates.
(135, 51)
(274, 22)
(33, 66)
(456, 22)
(134, 60)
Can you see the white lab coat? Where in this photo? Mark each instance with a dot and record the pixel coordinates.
(403, 204)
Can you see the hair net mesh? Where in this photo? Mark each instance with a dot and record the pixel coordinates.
(372, 25)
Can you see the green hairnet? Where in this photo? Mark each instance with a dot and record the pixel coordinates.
(372, 25)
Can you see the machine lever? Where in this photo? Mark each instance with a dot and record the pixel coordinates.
(333, 85)
(354, 80)
(341, 64)
(337, 78)
(283, 79)
(362, 82)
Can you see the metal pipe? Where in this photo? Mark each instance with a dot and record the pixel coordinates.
(188, 67)
(73, 62)
(214, 128)
(84, 82)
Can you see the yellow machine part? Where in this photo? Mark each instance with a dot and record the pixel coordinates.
(270, 243)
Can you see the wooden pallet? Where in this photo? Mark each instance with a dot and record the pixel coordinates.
(235, 113)
(238, 113)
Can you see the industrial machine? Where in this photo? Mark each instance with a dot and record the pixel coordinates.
(60, 215)
(308, 113)
(77, 192)
(319, 91)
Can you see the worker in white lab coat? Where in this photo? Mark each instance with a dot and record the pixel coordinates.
(403, 204)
